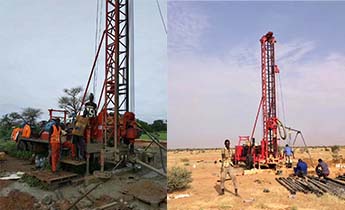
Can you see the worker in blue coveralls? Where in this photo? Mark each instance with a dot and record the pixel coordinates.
(288, 154)
(301, 168)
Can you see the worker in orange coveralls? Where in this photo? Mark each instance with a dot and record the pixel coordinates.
(26, 131)
(55, 143)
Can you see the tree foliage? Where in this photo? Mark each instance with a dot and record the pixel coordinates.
(71, 101)
(156, 126)
(30, 115)
(15, 119)
(159, 125)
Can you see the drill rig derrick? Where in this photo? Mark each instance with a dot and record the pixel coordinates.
(115, 128)
(269, 142)
(268, 152)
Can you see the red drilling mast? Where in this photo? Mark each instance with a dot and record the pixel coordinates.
(267, 152)
(116, 63)
(269, 101)
(115, 128)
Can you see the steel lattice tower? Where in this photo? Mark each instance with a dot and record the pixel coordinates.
(269, 109)
(116, 64)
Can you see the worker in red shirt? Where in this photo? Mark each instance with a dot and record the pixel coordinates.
(55, 143)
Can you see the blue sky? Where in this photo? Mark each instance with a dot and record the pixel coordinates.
(47, 46)
(214, 82)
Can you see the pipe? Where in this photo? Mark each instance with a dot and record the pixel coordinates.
(150, 167)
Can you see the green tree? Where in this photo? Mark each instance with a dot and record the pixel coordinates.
(145, 125)
(71, 101)
(159, 125)
(8, 121)
(30, 115)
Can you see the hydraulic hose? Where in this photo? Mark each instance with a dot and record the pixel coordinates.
(280, 128)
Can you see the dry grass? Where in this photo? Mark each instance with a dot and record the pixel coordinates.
(204, 188)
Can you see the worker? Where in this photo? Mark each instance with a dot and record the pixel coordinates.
(288, 153)
(90, 108)
(322, 169)
(67, 132)
(26, 131)
(78, 136)
(227, 167)
(55, 141)
(301, 168)
(15, 133)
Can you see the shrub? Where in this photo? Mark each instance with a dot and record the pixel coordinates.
(294, 208)
(178, 178)
(184, 160)
(335, 148)
(10, 148)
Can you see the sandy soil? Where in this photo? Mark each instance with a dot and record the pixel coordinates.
(204, 189)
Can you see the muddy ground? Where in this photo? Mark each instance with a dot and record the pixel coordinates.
(203, 192)
(123, 188)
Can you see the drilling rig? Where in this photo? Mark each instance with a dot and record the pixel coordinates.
(109, 135)
(112, 133)
(267, 153)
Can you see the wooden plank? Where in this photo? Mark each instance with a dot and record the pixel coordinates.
(73, 162)
(35, 140)
(93, 147)
(49, 177)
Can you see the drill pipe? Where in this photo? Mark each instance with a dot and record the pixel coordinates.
(332, 187)
(297, 184)
(340, 183)
(291, 185)
(292, 191)
(304, 185)
(341, 177)
(320, 185)
(315, 189)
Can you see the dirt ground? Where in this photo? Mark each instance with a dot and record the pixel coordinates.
(203, 191)
(19, 195)
(22, 201)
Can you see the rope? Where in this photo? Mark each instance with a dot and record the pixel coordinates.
(162, 19)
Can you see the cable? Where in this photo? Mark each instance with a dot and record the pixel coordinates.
(96, 45)
(162, 19)
(281, 98)
(98, 33)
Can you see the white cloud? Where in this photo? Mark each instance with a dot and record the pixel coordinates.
(211, 98)
(185, 27)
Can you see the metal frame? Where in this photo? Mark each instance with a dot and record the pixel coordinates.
(269, 109)
(116, 64)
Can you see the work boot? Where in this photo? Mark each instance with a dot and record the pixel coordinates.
(236, 192)
(221, 192)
